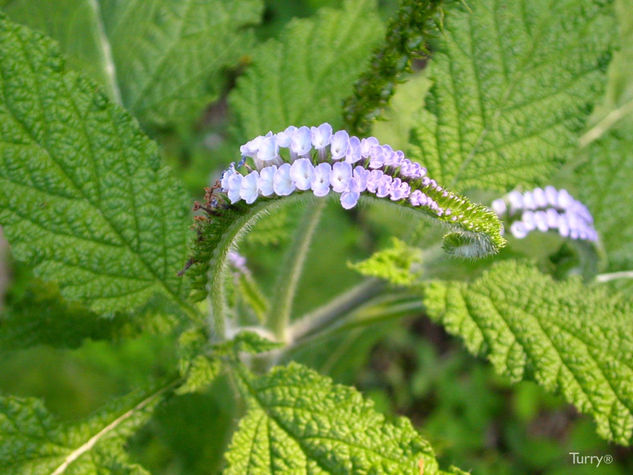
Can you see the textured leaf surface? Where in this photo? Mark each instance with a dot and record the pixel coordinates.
(604, 184)
(164, 58)
(300, 422)
(303, 77)
(393, 263)
(569, 338)
(513, 84)
(83, 196)
(34, 442)
(41, 317)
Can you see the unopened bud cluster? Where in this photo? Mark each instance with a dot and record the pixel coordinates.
(545, 210)
(319, 160)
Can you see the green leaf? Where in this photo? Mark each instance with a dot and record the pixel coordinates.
(34, 442)
(303, 77)
(571, 339)
(163, 59)
(603, 182)
(42, 317)
(83, 196)
(618, 101)
(201, 372)
(248, 342)
(392, 264)
(299, 421)
(513, 84)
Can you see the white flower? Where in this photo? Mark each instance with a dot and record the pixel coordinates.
(282, 183)
(302, 173)
(321, 180)
(339, 145)
(248, 187)
(265, 181)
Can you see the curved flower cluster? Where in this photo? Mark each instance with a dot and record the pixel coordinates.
(319, 160)
(544, 210)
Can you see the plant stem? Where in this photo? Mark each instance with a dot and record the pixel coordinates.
(291, 270)
(325, 315)
(376, 310)
(627, 274)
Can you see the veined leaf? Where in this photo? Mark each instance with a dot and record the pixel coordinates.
(513, 83)
(567, 337)
(299, 421)
(303, 77)
(83, 196)
(163, 59)
(392, 264)
(603, 182)
(33, 442)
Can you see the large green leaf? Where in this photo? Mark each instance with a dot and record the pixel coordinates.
(569, 338)
(603, 182)
(83, 196)
(303, 77)
(300, 422)
(34, 442)
(163, 59)
(513, 84)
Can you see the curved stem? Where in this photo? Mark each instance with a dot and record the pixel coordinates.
(325, 315)
(287, 283)
(627, 274)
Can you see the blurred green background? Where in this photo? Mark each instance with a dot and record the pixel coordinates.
(473, 418)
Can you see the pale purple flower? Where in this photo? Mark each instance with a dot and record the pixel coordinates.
(499, 206)
(563, 225)
(540, 199)
(301, 142)
(284, 138)
(341, 176)
(248, 187)
(366, 145)
(564, 199)
(339, 145)
(302, 173)
(528, 220)
(551, 194)
(265, 182)
(321, 136)
(376, 157)
(417, 198)
(384, 186)
(359, 179)
(518, 229)
(238, 261)
(540, 221)
(373, 179)
(552, 218)
(353, 151)
(225, 177)
(399, 189)
(321, 180)
(528, 201)
(349, 199)
(516, 201)
(282, 182)
(268, 149)
(233, 188)
(250, 148)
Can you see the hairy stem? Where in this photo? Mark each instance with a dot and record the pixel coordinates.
(327, 314)
(291, 270)
(406, 40)
(376, 310)
(627, 274)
